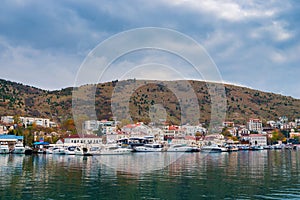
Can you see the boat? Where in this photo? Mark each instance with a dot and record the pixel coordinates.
(256, 148)
(149, 148)
(180, 148)
(58, 151)
(41, 151)
(70, 150)
(243, 148)
(49, 150)
(82, 151)
(278, 146)
(213, 149)
(28, 150)
(231, 148)
(4, 148)
(110, 150)
(19, 149)
(268, 147)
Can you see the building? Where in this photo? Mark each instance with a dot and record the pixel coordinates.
(27, 121)
(254, 125)
(104, 126)
(258, 139)
(228, 124)
(192, 130)
(82, 139)
(7, 119)
(3, 129)
(297, 122)
(137, 129)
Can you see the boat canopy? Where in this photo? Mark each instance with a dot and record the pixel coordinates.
(41, 143)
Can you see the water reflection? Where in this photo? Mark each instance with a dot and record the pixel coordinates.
(238, 175)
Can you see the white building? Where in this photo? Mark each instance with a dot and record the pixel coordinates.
(3, 130)
(191, 130)
(254, 125)
(228, 124)
(7, 119)
(297, 122)
(137, 129)
(78, 139)
(105, 126)
(258, 139)
(27, 120)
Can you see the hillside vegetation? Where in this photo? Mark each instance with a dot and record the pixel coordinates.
(242, 103)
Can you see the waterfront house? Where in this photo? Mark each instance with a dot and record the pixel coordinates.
(137, 129)
(258, 139)
(83, 139)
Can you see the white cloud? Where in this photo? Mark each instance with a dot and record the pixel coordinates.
(250, 41)
(231, 10)
(36, 67)
(275, 29)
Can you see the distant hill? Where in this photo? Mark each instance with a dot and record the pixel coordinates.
(242, 103)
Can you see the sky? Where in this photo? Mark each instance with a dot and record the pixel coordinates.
(253, 43)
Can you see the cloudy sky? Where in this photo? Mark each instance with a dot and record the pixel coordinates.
(255, 44)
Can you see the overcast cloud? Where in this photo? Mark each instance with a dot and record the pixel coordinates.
(253, 43)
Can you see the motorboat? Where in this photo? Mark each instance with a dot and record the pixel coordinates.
(243, 148)
(70, 150)
(58, 150)
(28, 150)
(256, 148)
(231, 148)
(110, 150)
(49, 150)
(82, 151)
(4, 148)
(180, 148)
(114, 150)
(19, 149)
(41, 151)
(149, 148)
(213, 149)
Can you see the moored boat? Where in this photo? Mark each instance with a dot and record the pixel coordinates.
(213, 149)
(110, 150)
(28, 150)
(4, 148)
(19, 149)
(149, 148)
(82, 151)
(180, 148)
(231, 148)
(70, 150)
(58, 151)
(256, 148)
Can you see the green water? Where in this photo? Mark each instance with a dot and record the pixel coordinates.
(238, 175)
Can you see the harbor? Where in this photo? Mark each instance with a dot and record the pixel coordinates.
(269, 174)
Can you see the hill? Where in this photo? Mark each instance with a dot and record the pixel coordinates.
(242, 103)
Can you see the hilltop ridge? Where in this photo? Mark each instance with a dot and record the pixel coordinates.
(242, 102)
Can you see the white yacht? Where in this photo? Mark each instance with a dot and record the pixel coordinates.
(58, 150)
(114, 150)
(82, 151)
(149, 148)
(49, 150)
(70, 150)
(19, 149)
(180, 148)
(213, 149)
(4, 148)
